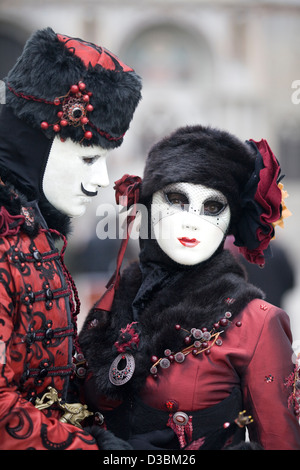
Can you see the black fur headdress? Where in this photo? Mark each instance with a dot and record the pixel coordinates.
(200, 155)
(247, 173)
(72, 88)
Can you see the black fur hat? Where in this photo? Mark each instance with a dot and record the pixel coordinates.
(200, 155)
(73, 88)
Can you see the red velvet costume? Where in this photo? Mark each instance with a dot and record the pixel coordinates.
(56, 92)
(188, 346)
(248, 356)
(38, 326)
(253, 354)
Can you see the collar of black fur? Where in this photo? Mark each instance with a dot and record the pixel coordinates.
(16, 203)
(197, 299)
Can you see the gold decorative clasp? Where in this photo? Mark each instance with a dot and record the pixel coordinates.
(74, 413)
(243, 420)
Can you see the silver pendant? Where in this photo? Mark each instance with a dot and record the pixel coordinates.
(120, 377)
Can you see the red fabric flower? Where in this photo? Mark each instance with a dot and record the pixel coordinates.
(128, 339)
(10, 224)
(127, 190)
(268, 194)
(267, 201)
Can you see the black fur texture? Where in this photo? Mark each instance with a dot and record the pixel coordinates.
(47, 69)
(200, 155)
(197, 299)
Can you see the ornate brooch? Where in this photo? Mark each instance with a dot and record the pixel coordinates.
(74, 108)
(122, 368)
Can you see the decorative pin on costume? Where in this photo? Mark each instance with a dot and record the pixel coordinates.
(128, 340)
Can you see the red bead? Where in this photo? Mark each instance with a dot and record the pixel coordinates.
(187, 340)
(223, 322)
(204, 345)
(60, 114)
(86, 98)
(56, 128)
(154, 359)
(171, 358)
(207, 352)
(74, 89)
(84, 120)
(172, 406)
(44, 125)
(89, 107)
(81, 86)
(88, 135)
(238, 323)
(216, 325)
(226, 425)
(203, 329)
(56, 101)
(194, 352)
(90, 93)
(177, 327)
(63, 122)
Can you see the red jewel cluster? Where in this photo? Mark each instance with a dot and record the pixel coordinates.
(75, 106)
(197, 341)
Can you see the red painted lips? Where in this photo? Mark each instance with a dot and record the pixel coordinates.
(189, 242)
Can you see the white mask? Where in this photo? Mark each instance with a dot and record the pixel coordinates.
(73, 174)
(189, 221)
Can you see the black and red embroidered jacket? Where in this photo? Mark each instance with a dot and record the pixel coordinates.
(37, 331)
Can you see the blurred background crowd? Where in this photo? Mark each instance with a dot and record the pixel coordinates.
(233, 64)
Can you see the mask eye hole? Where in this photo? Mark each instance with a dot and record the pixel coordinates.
(213, 207)
(90, 160)
(177, 199)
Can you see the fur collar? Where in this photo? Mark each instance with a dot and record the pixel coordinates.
(198, 298)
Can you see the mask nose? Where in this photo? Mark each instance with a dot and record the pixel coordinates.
(99, 175)
(195, 210)
(189, 222)
(189, 226)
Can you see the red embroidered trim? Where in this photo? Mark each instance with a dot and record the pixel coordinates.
(28, 97)
(105, 134)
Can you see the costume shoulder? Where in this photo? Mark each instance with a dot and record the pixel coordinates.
(16, 213)
(263, 315)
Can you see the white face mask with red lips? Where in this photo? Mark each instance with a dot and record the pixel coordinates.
(189, 221)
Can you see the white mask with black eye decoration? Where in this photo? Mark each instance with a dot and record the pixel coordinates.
(189, 221)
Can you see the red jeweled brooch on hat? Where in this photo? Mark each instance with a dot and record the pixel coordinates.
(75, 106)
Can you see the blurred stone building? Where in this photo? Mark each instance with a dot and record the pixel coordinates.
(234, 64)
